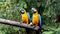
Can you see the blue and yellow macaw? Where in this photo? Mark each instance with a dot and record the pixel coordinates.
(25, 16)
(36, 18)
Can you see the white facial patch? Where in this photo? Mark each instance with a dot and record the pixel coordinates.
(22, 11)
(33, 9)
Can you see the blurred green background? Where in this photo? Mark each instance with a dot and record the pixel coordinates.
(49, 9)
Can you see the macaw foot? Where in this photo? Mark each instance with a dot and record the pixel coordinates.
(30, 24)
(34, 26)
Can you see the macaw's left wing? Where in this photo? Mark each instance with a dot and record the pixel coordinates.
(28, 17)
(40, 20)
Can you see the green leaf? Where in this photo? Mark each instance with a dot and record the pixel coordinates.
(47, 32)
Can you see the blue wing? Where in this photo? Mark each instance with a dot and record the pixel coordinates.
(40, 20)
(28, 17)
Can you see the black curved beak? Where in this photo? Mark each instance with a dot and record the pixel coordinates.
(34, 11)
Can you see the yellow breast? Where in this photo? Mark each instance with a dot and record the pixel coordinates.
(35, 19)
(24, 18)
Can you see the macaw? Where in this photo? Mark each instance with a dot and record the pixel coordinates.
(25, 16)
(36, 18)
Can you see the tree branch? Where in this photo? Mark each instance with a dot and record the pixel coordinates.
(18, 24)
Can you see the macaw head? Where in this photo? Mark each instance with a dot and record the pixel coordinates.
(22, 11)
(34, 10)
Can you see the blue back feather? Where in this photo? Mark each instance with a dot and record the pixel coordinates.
(40, 20)
(28, 17)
